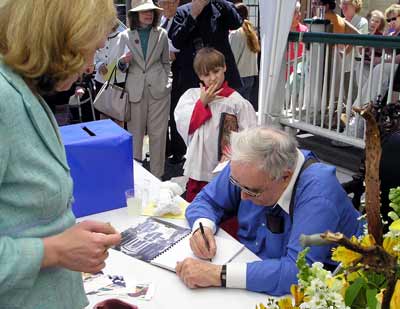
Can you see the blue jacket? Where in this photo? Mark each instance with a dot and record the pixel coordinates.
(320, 204)
(212, 28)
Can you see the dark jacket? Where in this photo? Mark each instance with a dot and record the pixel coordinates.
(211, 29)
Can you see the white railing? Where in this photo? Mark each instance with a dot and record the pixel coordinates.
(331, 75)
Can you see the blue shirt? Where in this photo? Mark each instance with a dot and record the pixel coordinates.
(320, 204)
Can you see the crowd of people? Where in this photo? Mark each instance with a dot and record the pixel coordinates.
(190, 67)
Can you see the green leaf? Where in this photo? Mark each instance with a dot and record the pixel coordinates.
(375, 280)
(353, 290)
(371, 298)
(393, 215)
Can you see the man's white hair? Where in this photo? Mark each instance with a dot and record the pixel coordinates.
(274, 151)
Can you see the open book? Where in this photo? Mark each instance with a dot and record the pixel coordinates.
(164, 244)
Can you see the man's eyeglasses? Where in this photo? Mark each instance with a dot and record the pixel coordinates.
(245, 190)
(388, 20)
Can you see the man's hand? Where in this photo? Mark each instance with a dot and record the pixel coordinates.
(199, 246)
(103, 69)
(82, 247)
(196, 274)
(197, 7)
(209, 94)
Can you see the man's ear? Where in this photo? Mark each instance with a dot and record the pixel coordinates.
(225, 68)
(287, 174)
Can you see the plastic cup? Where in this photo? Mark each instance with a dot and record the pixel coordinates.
(134, 201)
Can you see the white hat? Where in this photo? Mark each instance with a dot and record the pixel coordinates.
(143, 5)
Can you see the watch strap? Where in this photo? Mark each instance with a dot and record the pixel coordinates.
(223, 276)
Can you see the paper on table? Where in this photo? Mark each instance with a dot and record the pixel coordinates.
(149, 210)
(227, 249)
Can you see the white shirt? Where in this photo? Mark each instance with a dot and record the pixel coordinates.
(172, 49)
(109, 55)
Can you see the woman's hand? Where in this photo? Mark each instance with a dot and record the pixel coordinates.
(127, 57)
(199, 245)
(103, 69)
(82, 247)
(209, 94)
(79, 92)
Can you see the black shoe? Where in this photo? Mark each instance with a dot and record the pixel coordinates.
(176, 159)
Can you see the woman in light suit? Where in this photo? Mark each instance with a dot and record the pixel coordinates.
(148, 82)
(42, 250)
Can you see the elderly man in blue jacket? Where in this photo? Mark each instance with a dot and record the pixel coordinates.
(198, 24)
(278, 193)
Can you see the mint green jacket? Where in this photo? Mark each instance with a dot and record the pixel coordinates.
(35, 201)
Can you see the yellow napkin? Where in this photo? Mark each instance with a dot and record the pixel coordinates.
(149, 210)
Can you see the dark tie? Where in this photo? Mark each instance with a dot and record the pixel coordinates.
(165, 24)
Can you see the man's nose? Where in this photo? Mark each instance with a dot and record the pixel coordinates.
(244, 195)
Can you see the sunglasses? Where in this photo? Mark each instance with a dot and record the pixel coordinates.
(388, 20)
(244, 189)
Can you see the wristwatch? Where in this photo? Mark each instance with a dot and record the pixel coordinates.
(223, 276)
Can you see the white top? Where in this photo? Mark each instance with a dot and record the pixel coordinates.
(361, 23)
(246, 60)
(202, 145)
(109, 54)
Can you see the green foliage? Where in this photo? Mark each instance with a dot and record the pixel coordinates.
(394, 197)
(304, 270)
(363, 290)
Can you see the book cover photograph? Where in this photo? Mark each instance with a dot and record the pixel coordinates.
(150, 238)
(164, 244)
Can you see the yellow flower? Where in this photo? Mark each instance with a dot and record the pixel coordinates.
(285, 303)
(261, 306)
(345, 256)
(351, 277)
(395, 226)
(379, 296)
(298, 295)
(389, 243)
(338, 281)
(395, 301)
(367, 241)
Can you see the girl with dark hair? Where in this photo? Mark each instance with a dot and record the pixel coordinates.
(245, 47)
(148, 82)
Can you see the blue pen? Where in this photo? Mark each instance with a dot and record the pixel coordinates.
(205, 238)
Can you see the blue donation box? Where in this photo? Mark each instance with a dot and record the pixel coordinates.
(99, 154)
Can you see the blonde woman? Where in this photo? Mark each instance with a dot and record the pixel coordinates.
(351, 9)
(42, 251)
(245, 47)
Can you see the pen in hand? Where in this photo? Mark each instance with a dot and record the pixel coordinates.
(205, 238)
